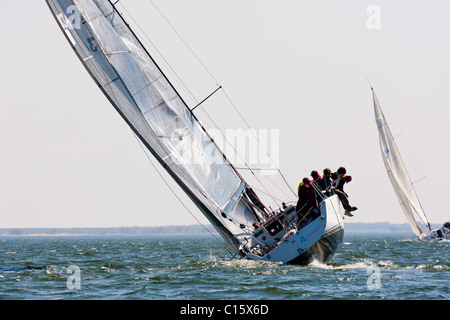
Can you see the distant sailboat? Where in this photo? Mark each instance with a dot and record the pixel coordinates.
(398, 175)
(145, 98)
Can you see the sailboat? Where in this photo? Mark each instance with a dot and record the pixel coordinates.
(168, 127)
(401, 181)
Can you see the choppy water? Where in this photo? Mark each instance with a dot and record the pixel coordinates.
(367, 267)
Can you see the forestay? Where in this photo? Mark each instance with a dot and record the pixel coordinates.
(148, 102)
(397, 172)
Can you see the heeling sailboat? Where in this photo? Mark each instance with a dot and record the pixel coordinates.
(145, 98)
(398, 175)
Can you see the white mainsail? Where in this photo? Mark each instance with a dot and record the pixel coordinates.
(147, 101)
(397, 172)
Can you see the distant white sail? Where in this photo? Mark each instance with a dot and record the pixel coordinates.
(397, 172)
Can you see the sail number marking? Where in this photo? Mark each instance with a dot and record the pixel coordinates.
(92, 44)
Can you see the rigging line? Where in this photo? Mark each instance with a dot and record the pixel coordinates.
(268, 194)
(418, 180)
(256, 169)
(272, 214)
(269, 180)
(238, 154)
(245, 160)
(434, 202)
(289, 201)
(185, 43)
(277, 186)
(416, 166)
(200, 103)
(217, 82)
(259, 142)
(263, 186)
(167, 184)
(177, 77)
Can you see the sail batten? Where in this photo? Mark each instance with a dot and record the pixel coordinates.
(397, 172)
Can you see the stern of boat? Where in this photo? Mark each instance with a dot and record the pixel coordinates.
(317, 238)
(333, 235)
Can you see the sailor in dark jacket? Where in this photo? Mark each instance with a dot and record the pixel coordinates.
(339, 180)
(326, 183)
(306, 198)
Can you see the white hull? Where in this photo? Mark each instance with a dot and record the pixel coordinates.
(318, 240)
(436, 234)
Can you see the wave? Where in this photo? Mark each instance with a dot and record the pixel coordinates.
(364, 264)
(440, 267)
(382, 264)
(246, 263)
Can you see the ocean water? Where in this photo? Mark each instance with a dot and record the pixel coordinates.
(367, 267)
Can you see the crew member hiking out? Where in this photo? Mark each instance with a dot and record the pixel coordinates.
(339, 180)
(326, 183)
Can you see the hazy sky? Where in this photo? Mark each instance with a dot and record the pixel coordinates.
(300, 67)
